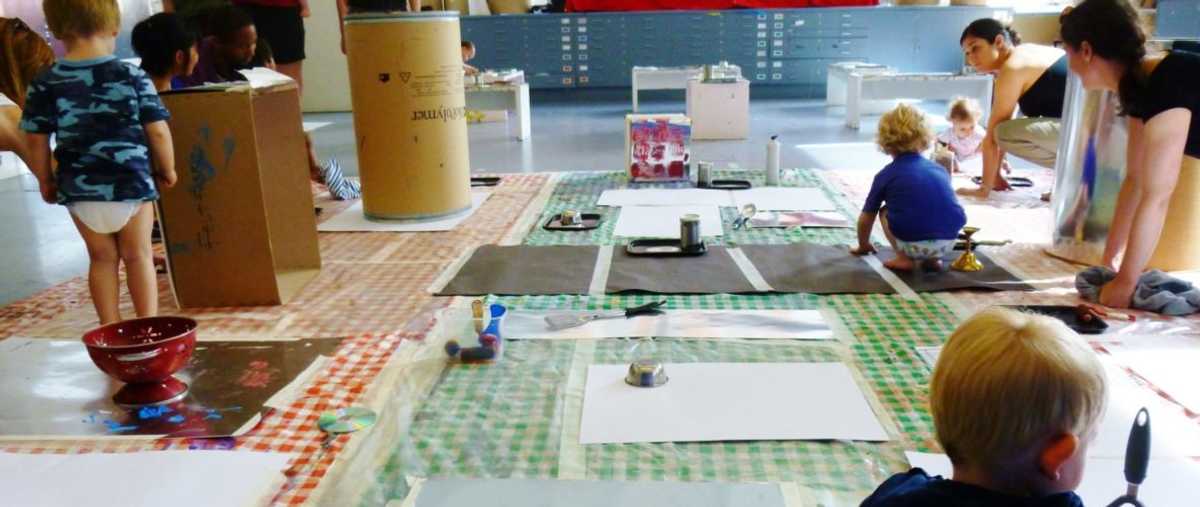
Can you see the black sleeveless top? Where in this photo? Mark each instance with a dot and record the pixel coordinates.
(1045, 97)
(1174, 83)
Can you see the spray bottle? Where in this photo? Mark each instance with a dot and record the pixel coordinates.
(773, 161)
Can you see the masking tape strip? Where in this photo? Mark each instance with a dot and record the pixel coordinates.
(572, 456)
(600, 271)
(749, 270)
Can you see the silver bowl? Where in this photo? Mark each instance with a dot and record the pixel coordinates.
(646, 373)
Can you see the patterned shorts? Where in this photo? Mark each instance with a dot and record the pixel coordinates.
(927, 249)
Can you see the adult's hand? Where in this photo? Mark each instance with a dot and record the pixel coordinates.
(1118, 293)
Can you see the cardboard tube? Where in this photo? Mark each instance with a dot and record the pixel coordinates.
(406, 86)
(1177, 250)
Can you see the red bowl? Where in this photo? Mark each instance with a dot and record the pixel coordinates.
(142, 350)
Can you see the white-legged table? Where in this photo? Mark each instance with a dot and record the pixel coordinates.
(509, 97)
(865, 87)
(839, 73)
(662, 78)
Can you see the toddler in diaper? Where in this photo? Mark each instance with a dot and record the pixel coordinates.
(922, 216)
(112, 144)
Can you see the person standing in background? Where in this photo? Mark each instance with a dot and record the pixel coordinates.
(23, 55)
(281, 23)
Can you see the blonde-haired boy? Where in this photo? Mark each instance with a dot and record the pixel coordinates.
(113, 144)
(1016, 399)
(922, 218)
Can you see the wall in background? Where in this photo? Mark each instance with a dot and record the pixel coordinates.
(326, 78)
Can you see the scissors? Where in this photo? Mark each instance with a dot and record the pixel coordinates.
(1137, 459)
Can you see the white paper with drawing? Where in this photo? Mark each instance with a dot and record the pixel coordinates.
(705, 402)
(664, 197)
(784, 199)
(766, 324)
(663, 221)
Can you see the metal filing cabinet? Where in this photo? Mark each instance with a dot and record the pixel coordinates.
(787, 47)
(1178, 19)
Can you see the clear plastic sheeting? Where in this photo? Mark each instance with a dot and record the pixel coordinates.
(519, 418)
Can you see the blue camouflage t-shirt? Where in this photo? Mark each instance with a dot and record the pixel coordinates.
(96, 109)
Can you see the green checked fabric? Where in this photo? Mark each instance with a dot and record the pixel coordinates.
(580, 191)
(505, 421)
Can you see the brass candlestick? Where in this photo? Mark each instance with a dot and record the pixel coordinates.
(968, 261)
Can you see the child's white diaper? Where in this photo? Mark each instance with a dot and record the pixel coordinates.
(104, 217)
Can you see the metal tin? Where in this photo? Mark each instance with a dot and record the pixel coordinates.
(646, 373)
(689, 231)
(703, 174)
(570, 217)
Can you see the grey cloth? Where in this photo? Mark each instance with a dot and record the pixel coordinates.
(992, 277)
(815, 269)
(1156, 291)
(714, 272)
(525, 270)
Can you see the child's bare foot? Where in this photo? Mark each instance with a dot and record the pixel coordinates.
(900, 263)
(931, 265)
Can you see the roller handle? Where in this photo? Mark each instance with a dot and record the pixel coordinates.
(646, 309)
(1137, 451)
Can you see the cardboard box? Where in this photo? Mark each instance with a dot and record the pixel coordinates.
(657, 147)
(239, 225)
(719, 110)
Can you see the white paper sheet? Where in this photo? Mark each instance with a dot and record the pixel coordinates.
(175, 478)
(766, 324)
(310, 126)
(260, 77)
(665, 197)
(705, 402)
(1104, 479)
(1175, 435)
(352, 220)
(663, 221)
(1168, 362)
(784, 199)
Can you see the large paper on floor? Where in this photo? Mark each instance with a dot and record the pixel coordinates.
(784, 199)
(555, 493)
(663, 221)
(1168, 481)
(53, 390)
(767, 324)
(665, 197)
(1173, 435)
(352, 220)
(1168, 362)
(705, 402)
(524, 270)
(714, 272)
(815, 269)
(174, 478)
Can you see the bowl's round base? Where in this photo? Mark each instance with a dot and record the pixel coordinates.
(151, 393)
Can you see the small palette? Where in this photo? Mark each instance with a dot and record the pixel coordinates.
(485, 181)
(1014, 181)
(587, 222)
(1069, 315)
(663, 248)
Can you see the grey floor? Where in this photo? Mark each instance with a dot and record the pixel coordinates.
(571, 132)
